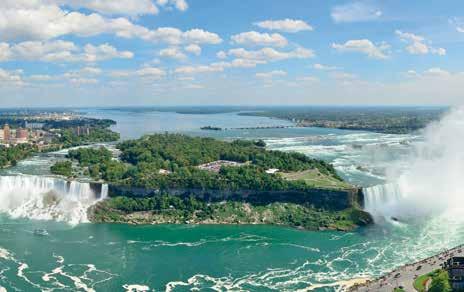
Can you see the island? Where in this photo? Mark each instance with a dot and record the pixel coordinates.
(211, 128)
(178, 179)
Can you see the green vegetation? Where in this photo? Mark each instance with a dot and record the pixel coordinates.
(167, 209)
(316, 179)
(439, 282)
(69, 138)
(179, 156)
(89, 156)
(171, 151)
(211, 128)
(9, 156)
(396, 120)
(143, 159)
(398, 290)
(63, 168)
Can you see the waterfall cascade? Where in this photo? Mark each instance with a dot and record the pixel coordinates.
(382, 200)
(48, 198)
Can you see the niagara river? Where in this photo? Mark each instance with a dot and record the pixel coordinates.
(76, 255)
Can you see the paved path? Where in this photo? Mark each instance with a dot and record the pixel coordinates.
(405, 275)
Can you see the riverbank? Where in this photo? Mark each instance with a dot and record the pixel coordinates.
(174, 210)
(404, 276)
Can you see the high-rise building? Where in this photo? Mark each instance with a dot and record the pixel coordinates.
(6, 133)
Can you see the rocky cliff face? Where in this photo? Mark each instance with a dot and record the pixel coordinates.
(319, 198)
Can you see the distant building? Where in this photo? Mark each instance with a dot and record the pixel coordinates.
(272, 171)
(34, 126)
(6, 133)
(22, 135)
(82, 131)
(455, 268)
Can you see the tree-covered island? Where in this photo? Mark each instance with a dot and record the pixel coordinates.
(172, 178)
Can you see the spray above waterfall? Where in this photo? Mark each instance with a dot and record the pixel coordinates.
(433, 181)
(46, 198)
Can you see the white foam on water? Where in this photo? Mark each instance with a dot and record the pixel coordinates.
(136, 288)
(47, 198)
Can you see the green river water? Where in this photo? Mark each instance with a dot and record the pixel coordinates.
(104, 257)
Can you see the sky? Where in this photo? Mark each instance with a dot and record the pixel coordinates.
(231, 52)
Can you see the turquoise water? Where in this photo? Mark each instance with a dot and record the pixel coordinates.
(105, 257)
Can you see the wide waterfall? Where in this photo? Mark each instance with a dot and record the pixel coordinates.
(48, 198)
(382, 200)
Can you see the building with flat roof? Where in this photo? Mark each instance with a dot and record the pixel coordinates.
(22, 135)
(455, 268)
(6, 133)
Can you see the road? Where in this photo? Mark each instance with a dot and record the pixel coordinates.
(404, 276)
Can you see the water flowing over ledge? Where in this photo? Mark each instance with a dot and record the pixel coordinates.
(48, 198)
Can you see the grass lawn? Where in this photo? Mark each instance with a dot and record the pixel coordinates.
(440, 282)
(317, 179)
(419, 283)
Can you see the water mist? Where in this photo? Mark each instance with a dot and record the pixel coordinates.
(433, 182)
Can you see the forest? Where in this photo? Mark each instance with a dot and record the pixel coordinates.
(180, 156)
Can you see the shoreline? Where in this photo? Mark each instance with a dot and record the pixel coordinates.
(405, 275)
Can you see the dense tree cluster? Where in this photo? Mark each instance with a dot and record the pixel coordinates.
(171, 151)
(143, 159)
(62, 168)
(89, 156)
(96, 134)
(11, 155)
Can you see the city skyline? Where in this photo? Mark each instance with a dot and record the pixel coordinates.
(194, 52)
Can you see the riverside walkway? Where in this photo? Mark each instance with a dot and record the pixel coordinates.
(404, 276)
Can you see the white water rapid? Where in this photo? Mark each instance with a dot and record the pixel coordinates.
(48, 198)
(430, 181)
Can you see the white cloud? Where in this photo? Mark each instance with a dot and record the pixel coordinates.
(220, 54)
(324, 67)
(10, 78)
(104, 52)
(59, 51)
(355, 12)
(193, 49)
(190, 70)
(308, 79)
(271, 74)
(83, 81)
(179, 4)
(458, 23)
(23, 21)
(270, 54)
(119, 7)
(173, 53)
(218, 66)
(194, 86)
(364, 46)
(253, 38)
(146, 73)
(41, 77)
(417, 44)
(151, 73)
(91, 70)
(437, 72)
(285, 25)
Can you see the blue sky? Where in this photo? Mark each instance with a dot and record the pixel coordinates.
(195, 52)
